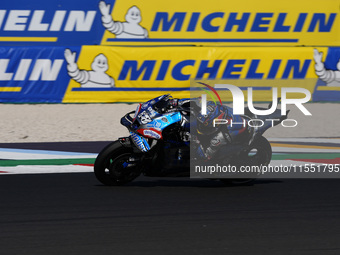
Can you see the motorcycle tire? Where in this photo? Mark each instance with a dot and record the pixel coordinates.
(112, 166)
(258, 153)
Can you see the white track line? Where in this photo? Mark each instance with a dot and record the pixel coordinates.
(41, 154)
(45, 169)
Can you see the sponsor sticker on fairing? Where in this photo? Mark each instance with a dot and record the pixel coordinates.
(151, 134)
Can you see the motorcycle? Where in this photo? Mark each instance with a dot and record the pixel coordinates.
(159, 145)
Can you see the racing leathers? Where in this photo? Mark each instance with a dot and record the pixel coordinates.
(213, 130)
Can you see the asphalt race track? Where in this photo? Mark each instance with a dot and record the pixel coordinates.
(74, 214)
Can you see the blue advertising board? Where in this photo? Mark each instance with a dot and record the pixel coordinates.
(33, 74)
(53, 22)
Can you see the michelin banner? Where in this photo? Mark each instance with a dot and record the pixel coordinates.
(229, 23)
(100, 74)
(151, 22)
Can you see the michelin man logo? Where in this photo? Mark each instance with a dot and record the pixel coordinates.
(128, 29)
(96, 78)
(330, 77)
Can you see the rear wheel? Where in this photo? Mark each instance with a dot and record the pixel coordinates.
(113, 165)
(259, 153)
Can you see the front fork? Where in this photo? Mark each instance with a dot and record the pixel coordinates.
(139, 158)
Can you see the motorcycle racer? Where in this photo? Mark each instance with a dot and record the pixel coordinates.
(206, 137)
(169, 137)
(214, 137)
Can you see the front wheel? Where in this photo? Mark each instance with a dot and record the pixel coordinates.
(113, 166)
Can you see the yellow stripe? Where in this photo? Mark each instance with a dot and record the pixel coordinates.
(303, 146)
(28, 39)
(10, 89)
(329, 88)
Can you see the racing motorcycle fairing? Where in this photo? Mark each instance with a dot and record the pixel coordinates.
(153, 129)
(127, 120)
(149, 121)
(147, 111)
(140, 142)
